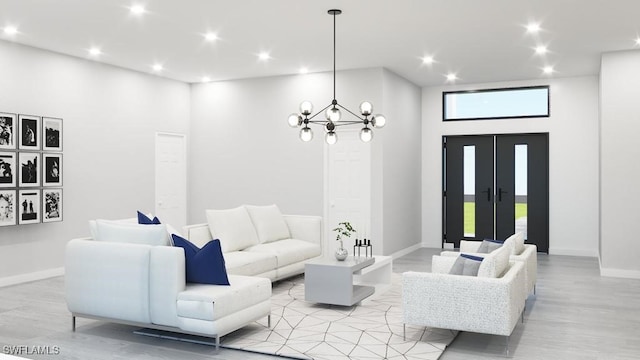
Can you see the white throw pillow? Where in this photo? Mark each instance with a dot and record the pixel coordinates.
(516, 241)
(117, 231)
(233, 227)
(496, 263)
(268, 222)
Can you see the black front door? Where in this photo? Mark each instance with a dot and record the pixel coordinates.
(495, 185)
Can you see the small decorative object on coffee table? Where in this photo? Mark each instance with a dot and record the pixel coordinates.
(364, 243)
(344, 229)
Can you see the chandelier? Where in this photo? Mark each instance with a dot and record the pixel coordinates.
(332, 111)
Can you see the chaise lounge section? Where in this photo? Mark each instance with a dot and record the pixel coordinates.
(144, 285)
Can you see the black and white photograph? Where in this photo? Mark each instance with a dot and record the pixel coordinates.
(7, 207)
(51, 205)
(7, 169)
(7, 131)
(52, 169)
(52, 130)
(29, 206)
(29, 169)
(29, 132)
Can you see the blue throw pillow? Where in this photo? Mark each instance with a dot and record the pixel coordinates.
(144, 219)
(203, 266)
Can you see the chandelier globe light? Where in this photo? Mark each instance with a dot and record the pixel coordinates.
(333, 113)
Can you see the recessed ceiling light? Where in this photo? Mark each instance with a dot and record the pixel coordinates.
(264, 56)
(548, 70)
(427, 60)
(137, 9)
(94, 51)
(10, 30)
(211, 36)
(541, 50)
(533, 28)
(451, 77)
(157, 67)
(303, 70)
(206, 79)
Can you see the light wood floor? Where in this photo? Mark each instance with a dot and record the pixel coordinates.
(576, 314)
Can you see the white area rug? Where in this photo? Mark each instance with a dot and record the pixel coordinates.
(371, 330)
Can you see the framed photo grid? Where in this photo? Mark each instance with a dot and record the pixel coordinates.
(30, 169)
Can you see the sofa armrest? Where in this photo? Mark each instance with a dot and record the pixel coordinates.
(467, 303)
(305, 227)
(469, 246)
(107, 279)
(167, 278)
(530, 259)
(442, 264)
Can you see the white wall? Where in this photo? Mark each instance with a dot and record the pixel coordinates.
(619, 190)
(573, 154)
(110, 117)
(401, 164)
(244, 152)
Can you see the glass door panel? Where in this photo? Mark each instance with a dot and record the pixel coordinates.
(469, 171)
(521, 188)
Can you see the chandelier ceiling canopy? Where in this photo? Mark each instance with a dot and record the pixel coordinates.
(333, 113)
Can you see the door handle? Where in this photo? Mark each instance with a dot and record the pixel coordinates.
(500, 194)
(488, 191)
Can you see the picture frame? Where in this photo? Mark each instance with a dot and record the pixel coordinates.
(8, 169)
(52, 134)
(52, 169)
(29, 163)
(29, 132)
(8, 207)
(8, 130)
(51, 205)
(29, 208)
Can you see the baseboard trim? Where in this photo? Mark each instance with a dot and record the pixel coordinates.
(405, 251)
(573, 252)
(619, 273)
(28, 277)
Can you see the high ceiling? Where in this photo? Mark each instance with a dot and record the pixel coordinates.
(479, 40)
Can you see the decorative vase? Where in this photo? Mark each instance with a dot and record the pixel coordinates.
(341, 252)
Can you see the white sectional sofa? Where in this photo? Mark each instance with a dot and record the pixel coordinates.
(144, 285)
(260, 241)
(129, 273)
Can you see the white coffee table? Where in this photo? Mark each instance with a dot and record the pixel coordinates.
(329, 281)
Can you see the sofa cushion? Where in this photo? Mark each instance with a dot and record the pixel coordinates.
(249, 263)
(205, 265)
(146, 220)
(495, 264)
(233, 227)
(467, 265)
(196, 300)
(268, 222)
(288, 251)
(117, 231)
(488, 245)
(516, 241)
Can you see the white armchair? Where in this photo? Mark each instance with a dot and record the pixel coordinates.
(465, 303)
(526, 253)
